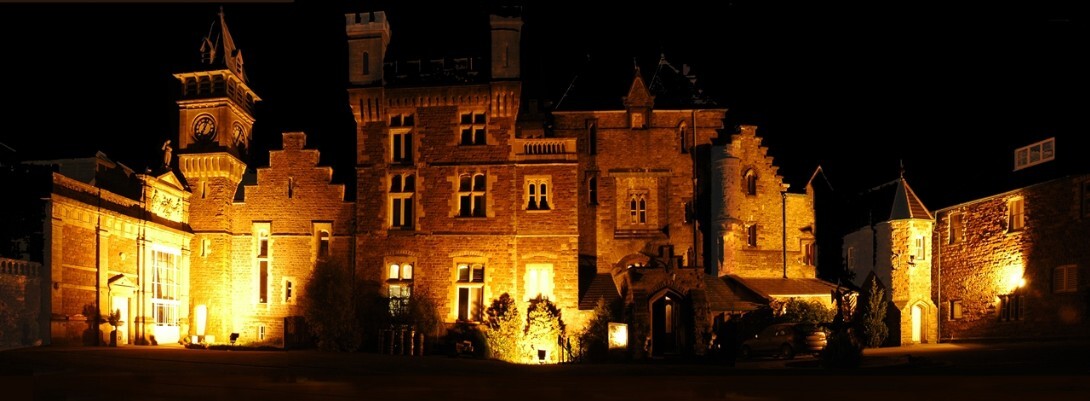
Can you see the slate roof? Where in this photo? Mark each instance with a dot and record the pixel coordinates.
(602, 84)
(784, 287)
(601, 286)
(893, 200)
(721, 297)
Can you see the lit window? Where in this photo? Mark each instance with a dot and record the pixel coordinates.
(262, 261)
(473, 127)
(751, 182)
(751, 235)
(537, 194)
(539, 281)
(470, 291)
(1034, 154)
(638, 120)
(402, 189)
(165, 287)
(1065, 278)
(957, 227)
(1015, 214)
(471, 195)
(399, 280)
(955, 309)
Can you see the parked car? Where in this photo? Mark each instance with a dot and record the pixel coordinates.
(785, 340)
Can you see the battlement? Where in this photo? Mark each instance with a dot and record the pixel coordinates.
(361, 23)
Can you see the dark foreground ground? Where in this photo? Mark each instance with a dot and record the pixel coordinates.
(993, 371)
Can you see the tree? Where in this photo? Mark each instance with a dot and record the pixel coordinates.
(329, 306)
(593, 341)
(872, 320)
(809, 312)
(544, 329)
(505, 330)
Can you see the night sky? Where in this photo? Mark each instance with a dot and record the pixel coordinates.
(856, 87)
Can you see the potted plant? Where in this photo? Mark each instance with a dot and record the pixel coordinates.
(114, 319)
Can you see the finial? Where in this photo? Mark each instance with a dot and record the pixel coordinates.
(902, 161)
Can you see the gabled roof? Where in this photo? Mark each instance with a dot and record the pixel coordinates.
(638, 96)
(601, 286)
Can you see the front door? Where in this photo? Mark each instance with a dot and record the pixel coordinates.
(917, 324)
(122, 304)
(664, 325)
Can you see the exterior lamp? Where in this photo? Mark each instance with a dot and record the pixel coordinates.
(618, 335)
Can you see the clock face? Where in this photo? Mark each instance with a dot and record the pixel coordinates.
(239, 134)
(204, 128)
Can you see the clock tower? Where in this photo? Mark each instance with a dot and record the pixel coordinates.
(215, 121)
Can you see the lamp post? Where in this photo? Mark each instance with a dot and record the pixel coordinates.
(783, 198)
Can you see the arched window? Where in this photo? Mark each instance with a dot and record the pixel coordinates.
(751, 182)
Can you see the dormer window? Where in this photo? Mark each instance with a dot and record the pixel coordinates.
(638, 120)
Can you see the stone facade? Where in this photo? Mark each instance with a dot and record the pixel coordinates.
(896, 249)
(446, 184)
(751, 198)
(996, 278)
(294, 206)
(21, 312)
(107, 252)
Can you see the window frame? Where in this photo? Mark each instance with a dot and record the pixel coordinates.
(750, 180)
(1065, 279)
(476, 126)
(472, 284)
(751, 235)
(955, 228)
(1044, 150)
(536, 192)
(164, 295)
(401, 201)
(1016, 214)
(476, 196)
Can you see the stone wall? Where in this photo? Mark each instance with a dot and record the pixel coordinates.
(989, 261)
(20, 303)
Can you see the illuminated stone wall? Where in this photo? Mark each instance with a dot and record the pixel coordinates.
(990, 261)
(507, 239)
(111, 270)
(735, 210)
(294, 196)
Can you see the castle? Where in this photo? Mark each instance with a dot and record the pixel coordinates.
(646, 199)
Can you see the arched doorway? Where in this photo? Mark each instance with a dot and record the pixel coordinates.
(665, 329)
(917, 324)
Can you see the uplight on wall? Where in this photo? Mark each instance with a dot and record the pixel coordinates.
(618, 335)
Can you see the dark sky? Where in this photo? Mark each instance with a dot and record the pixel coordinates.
(852, 86)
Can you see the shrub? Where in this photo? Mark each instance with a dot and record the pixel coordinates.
(593, 342)
(871, 324)
(504, 332)
(544, 329)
